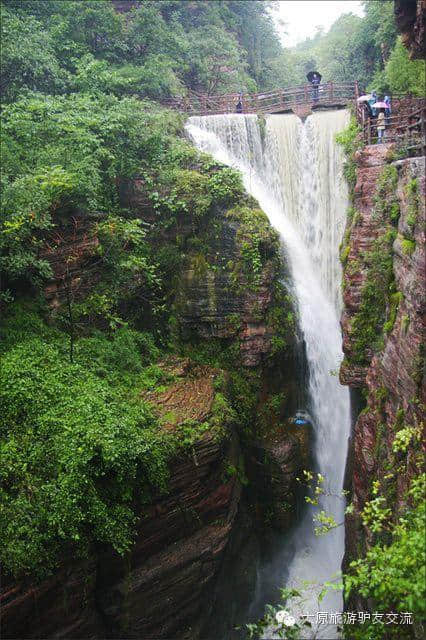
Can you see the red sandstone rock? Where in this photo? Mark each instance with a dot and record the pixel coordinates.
(163, 586)
(394, 376)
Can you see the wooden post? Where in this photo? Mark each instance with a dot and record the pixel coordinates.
(204, 104)
(331, 92)
(369, 131)
(356, 90)
(306, 93)
(256, 103)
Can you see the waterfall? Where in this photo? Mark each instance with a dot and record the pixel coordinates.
(295, 173)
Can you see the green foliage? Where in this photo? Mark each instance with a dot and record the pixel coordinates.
(243, 390)
(75, 454)
(281, 318)
(81, 451)
(393, 574)
(257, 243)
(194, 189)
(404, 437)
(367, 323)
(28, 57)
(128, 267)
(344, 253)
(351, 140)
(226, 186)
(386, 203)
(365, 49)
(80, 146)
(223, 414)
(342, 53)
(395, 300)
(275, 403)
(403, 75)
(354, 48)
(155, 78)
(408, 246)
(157, 50)
(126, 353)
(379, 301)
(413, 197)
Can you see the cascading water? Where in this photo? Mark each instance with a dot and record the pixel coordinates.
(296, 175)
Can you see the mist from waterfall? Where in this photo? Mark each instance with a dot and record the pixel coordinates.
(295, 173)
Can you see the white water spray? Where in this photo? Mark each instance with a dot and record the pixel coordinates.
(296, 175)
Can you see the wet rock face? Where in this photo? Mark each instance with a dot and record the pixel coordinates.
(274, 464)
(63, 606)
(215, 300)
(71, 251)
(393, 375)
(410, 17)
(163, 587)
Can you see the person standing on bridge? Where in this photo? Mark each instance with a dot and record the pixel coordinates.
(314, 78)
(239, 107)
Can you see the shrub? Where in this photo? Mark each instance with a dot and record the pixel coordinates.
(75, 456)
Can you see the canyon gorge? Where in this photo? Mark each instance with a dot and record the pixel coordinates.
(212, 337)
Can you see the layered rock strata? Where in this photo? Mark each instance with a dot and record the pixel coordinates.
(390, 372)
(162, 588)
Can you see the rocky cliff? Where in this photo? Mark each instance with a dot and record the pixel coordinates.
(410, 16)
(233, 385)
(162, 587)
(383, 329)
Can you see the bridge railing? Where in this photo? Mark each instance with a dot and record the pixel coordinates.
(275, 101)
(406, 126)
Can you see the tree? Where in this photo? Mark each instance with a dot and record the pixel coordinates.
(28, 57)
(215, 61)
(404, 75)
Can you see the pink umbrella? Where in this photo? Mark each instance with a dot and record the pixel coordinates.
(380, 105)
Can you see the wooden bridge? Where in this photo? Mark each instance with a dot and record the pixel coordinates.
(406, 127)
(299, 99)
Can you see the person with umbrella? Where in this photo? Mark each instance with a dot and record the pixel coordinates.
(371, 102)
(387, 100)
(314, 78)
(365, 100)
(381, 124)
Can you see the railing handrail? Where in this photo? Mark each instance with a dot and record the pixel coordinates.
(399, 124)
(271, 91)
